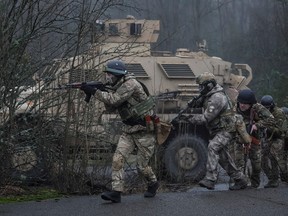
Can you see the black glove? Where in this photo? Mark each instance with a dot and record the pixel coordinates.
(101, 87)
(89, 90)
(195, 103)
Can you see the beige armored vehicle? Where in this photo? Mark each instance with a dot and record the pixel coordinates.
(169, 77)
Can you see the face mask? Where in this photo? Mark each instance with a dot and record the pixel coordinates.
(206, 87)
(110, 78)
(201, 88)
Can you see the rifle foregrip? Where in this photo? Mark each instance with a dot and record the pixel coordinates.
(88, 97)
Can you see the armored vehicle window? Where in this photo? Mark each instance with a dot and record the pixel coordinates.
(177, 70)
(136, 69)
(135, 29)
(113, 29)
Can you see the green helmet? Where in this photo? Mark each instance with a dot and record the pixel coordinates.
(115, 67)
(205, 77)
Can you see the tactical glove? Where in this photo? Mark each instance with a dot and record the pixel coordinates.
(89, 90)
(101, 86)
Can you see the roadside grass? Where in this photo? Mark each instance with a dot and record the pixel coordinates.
(37, 195)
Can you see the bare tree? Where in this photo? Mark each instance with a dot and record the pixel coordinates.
(34, 34)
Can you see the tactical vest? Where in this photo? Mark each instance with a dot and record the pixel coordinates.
(138, 111)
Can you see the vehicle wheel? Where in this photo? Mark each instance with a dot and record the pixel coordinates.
(28, 166)
(33, 147)
(185, 158)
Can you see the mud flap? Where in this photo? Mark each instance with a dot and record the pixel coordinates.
(162, 131)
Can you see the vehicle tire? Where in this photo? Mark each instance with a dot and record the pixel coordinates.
(185, 158)
(33, 147)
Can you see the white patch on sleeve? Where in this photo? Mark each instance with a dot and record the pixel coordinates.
(211, 109)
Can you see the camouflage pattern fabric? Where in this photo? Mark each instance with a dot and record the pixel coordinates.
(128, 92)
(215, 104)
(273, 151)
(254, 154)
(128, 89)
(145, 143)
(218, 152)
(262, 118)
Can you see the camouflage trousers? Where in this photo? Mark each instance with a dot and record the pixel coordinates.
(218, 154)
(254, 155)
(273, 159)
(145, 144)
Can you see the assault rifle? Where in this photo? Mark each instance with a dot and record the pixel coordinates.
(195, 102)
(78, 85)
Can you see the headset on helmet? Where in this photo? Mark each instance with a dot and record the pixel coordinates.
(267, 101)
(115, 67)
(206, 82)
(246, 96)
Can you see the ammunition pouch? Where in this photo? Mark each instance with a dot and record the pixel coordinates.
(255, 141)
(228, 121)
(137, 111)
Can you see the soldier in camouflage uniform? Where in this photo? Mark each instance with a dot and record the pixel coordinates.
(221, 122)
(273, 146)
(257, 119)
(285, 154)
(134, 104)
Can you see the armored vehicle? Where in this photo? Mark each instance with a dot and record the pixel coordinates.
(169, 77)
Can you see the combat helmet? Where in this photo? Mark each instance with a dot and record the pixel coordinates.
(115, 67)
(267, 101)
(246, 96)
(285, 110)
(206, 82)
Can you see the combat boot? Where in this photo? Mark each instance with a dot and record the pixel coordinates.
(210, 185)
(152, 189)
(239, 184)
(272, 184)
(114, 196)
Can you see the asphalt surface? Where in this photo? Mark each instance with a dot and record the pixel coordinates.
(196, 201)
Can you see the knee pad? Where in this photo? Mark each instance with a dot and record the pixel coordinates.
(118, 162)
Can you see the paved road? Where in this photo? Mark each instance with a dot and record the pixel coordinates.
(196, 201)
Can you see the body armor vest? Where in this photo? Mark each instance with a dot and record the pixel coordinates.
(138, 111)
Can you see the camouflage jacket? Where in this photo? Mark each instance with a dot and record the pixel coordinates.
(280, 119)
(215, 104)
(127, 93)
(261, 117)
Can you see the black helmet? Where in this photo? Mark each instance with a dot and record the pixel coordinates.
(246, 96)
(267, 101)
(115, 67)
(285, 110)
